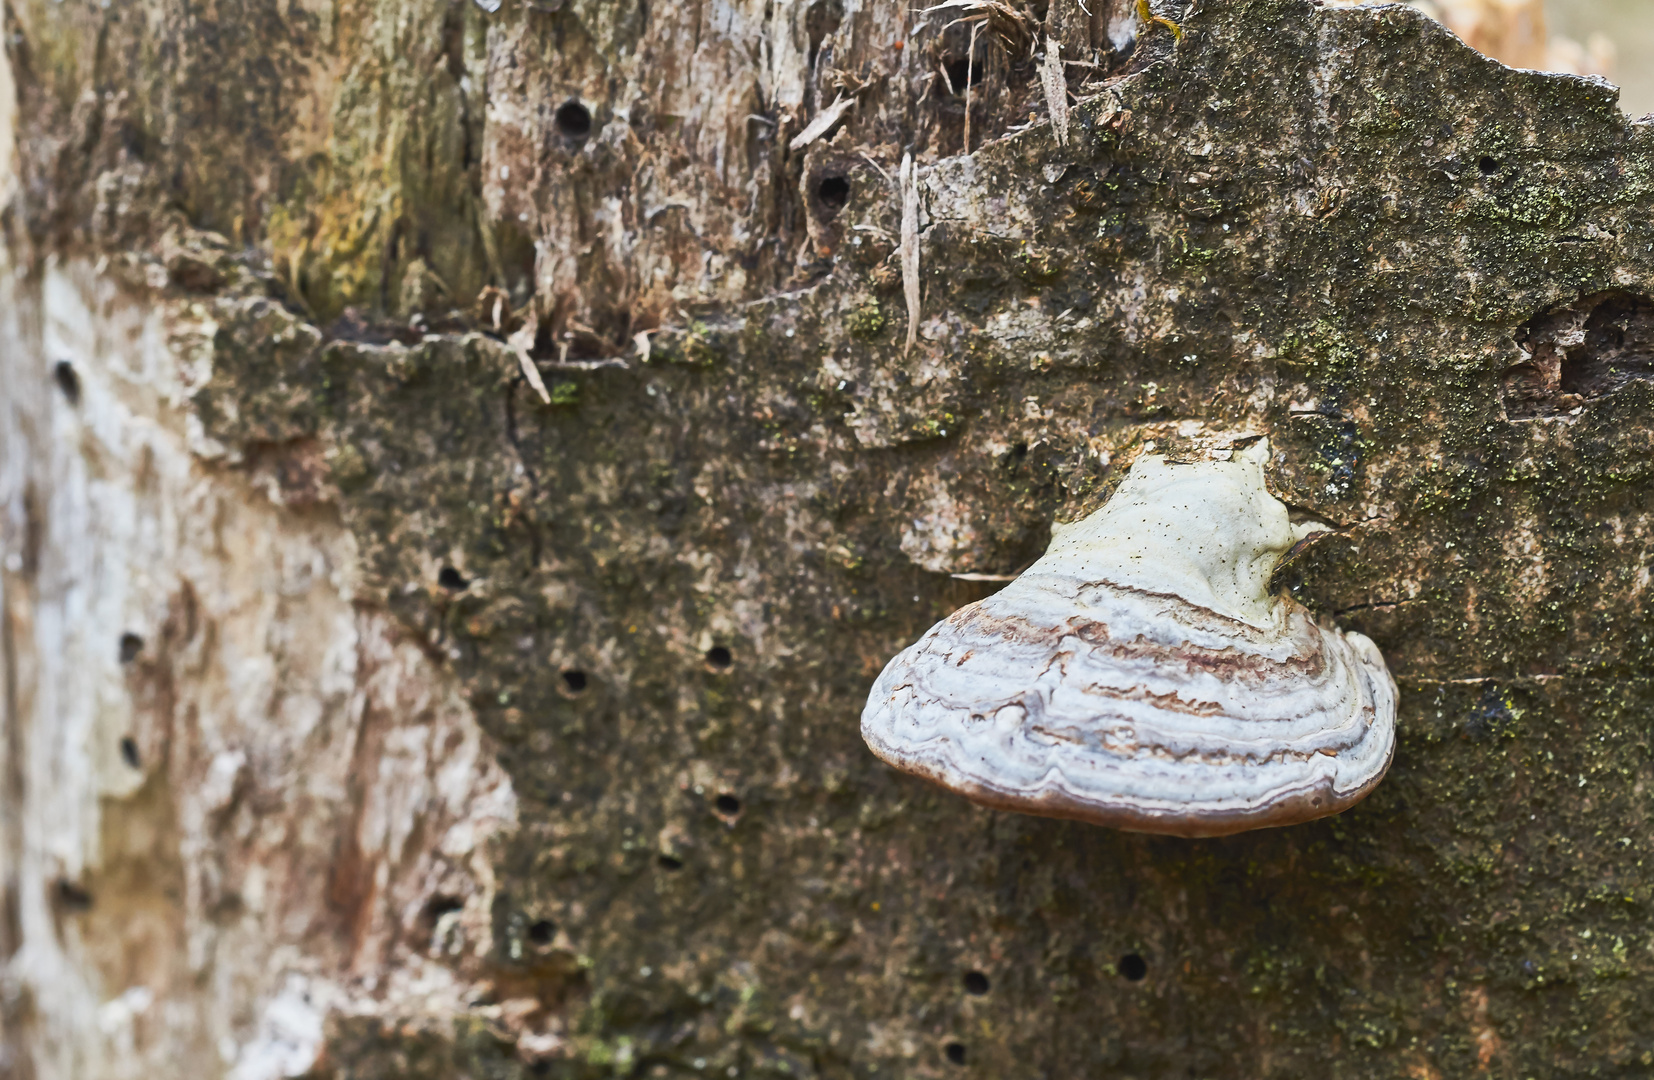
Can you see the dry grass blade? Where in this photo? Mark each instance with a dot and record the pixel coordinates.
(910, 248)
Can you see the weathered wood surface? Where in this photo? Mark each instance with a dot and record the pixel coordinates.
(366, 715)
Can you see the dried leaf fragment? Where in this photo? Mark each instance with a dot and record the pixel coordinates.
(520, 343)
(823, 121)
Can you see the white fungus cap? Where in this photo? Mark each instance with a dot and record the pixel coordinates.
(1140, 675)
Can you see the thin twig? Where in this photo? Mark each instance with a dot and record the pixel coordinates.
(588, 365)
(970, 82)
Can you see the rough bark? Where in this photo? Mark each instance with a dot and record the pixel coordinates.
(366, 715)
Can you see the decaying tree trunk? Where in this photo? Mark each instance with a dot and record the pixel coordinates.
(369, 713)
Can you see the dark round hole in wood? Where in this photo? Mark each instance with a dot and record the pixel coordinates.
(955, 1052)
(129, 752)
(574, 681)
(961, 73)
(728, 805)
(452, 579)
(834, 192)
(719, 657)
(540, 1068)
(668, 862)
(1133, 967)
(976, 983)
(67, 381)
(131, 646)
(541, 932)
(1489, 166)
(574, 120)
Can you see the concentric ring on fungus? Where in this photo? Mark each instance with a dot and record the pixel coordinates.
(1141, 676)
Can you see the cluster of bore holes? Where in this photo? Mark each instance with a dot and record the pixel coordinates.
(130, 647)
(575, 681)
(1132, 966)
(573, 120)
(718, 659)
(976, 985)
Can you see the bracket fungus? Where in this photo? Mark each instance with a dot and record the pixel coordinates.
(1140, 675)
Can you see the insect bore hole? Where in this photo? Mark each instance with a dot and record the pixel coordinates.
(955, 1052)
(574, 120)
(73, 897)
(129, 752)
(1133, 967)
(669, 862)
(452, 579)
(727, 805)
(719, 658)
(438, 906)
(834, 193)
(131, 646)
(574, 681)
(976, 983)
(541, 932)
(63, 373)
(1489, 166)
